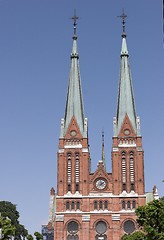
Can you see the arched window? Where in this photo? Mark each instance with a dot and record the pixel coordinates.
(77, 171)
(77, 205)
(69, 171)
(123, 205)
(72, 205)
(129, 226)
(67, 206)
(95, 205)
(131, 171)
(106, 205)
(123, 160)
(72, 229)
(128, 205)
(134, 204)
(100, 205)
(101, 229)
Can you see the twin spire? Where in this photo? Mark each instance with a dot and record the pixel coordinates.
(74, 102)
(125, 104)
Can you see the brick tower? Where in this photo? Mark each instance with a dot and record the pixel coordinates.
(98, 205)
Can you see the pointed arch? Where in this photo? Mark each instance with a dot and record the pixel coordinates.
(69, 171)
(123, 165)
(77, 170)
(131, 170)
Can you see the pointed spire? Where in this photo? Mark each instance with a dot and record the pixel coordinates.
(74, 102)
(125, 103)
(103, 151)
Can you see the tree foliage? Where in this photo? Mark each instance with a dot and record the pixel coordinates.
(7, 229)
(134, 236)
(162, 199)
(29, 237)
(151, 219)
(38, 236)
(8, 210)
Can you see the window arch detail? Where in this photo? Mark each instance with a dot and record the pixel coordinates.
(131, 164)
(77, 171)
(69, 171)
(123, 162)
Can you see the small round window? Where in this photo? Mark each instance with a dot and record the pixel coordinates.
(101, 227)
(129, 226)
(72, 227)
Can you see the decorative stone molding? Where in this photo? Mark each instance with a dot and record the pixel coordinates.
(86, 218)
(115, 217)
(59, 218)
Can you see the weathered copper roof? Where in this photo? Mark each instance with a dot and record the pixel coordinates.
(74, 102)
(125, 104)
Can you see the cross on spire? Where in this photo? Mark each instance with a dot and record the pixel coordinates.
(75, 18)
(123, 16)
(103, 151)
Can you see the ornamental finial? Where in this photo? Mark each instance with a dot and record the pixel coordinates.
(103, 152)
(74, 18)
(123, 16)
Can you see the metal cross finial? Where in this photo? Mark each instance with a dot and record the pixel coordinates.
(123, 16)
(103, 152)
(75, 18)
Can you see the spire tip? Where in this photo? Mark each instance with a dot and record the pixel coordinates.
(75, 18)
(123, 16)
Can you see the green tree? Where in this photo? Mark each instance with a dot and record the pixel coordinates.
(151, 219)
(38, 236)
(134, 236)
(7, 229)
(7, 209)
(162, 199)
(29, 237)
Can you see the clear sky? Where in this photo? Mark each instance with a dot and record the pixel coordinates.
(35, 47)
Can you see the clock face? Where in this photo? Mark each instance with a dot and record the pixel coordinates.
(100, 183)
(73, 133)
(126, 131)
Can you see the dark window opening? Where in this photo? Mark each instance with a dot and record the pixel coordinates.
(73, 205)
(124, 187)
(123, 205)
(106, 205)
(77, 187)
(128, 205)
(95, 205)
(101, 227)
(77, 205)
(100, 205)
(134, 204)
(132, 186)
(69, 187)
(129, 226)
(67, 205)
(73, 227)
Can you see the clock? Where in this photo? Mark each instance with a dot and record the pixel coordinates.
(73, 133)
(100, 183)
(126, 131)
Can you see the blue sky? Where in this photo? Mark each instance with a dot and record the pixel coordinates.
(35, 46)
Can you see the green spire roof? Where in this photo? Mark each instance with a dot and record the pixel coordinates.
(74, 102)
(125, 103)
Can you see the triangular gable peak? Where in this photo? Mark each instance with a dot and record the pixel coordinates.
(73, 131)
(126, 128)
(100, 172)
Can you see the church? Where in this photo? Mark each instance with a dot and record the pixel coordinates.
(98, 205)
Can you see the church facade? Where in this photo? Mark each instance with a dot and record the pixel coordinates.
(98, 205)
